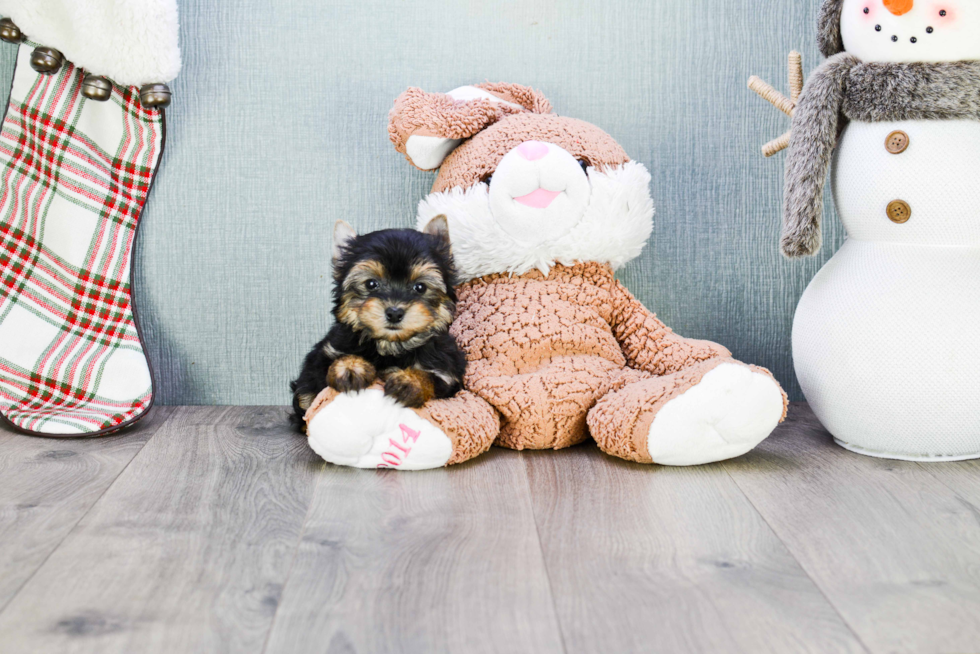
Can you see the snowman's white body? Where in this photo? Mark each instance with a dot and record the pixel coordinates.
(886, 340)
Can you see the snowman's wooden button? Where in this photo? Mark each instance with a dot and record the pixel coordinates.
(897, 142)
(899, 211)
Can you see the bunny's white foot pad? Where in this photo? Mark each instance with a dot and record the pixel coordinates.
(370, 430)
(730, 411)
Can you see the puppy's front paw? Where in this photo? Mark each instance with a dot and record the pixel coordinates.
(350, 374)
(410, 387)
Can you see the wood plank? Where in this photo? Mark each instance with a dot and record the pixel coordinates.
(48, 484)
(962, 477)
(893, 549)
(646, 558)
(187, 552)
(437, 561)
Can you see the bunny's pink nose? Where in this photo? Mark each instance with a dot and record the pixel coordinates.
(532, 150)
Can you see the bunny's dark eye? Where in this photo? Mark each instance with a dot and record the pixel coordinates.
(420, 288)
(371, 285)
(585, 165)
(486, 179)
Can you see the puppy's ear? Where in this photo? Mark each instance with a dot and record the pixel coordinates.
(343, 234)
(438, 227)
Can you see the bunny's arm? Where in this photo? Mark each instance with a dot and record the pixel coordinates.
(650, 345)
(816, 127)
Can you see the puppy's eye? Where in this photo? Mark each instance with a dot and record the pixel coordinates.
(420, 288)
(371, 285)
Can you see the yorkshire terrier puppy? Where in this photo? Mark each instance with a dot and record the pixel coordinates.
(393, 303)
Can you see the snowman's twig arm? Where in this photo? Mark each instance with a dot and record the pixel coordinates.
(780, 101)
(816, 126)
(795, 76)
(776, 145)
(771, 95)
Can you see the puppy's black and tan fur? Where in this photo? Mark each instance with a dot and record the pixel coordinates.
(393, 304)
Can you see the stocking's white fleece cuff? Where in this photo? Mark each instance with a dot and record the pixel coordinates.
(132, 42)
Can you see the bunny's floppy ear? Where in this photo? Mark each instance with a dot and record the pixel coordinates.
(426, 127)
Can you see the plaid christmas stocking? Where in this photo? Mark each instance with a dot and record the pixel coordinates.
(75, 175)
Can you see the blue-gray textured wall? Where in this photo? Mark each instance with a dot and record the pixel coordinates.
(278, 129)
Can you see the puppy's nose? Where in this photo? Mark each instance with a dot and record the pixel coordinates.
(394, 314)
(532, 150)
(899, 7)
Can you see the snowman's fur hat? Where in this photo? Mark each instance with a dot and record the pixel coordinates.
(828, 28)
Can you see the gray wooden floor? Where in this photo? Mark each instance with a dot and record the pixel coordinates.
(216, 530)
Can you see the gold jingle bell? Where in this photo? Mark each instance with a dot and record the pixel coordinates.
(10, 32)
(46, 60)
(155, 96)
(95, 87)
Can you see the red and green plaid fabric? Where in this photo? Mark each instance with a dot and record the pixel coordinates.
(75, 176)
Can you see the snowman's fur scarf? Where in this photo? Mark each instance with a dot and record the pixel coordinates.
(816, 127)
(919, 91)
(844, 88)
(613, 230)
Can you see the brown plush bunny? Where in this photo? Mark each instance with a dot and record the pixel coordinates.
(542, 209)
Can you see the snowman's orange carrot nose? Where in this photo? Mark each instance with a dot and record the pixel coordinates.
(899, 7)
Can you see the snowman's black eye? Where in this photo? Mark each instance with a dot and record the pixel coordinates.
(877, 28)
(867, 10)
(929, 30)
(914, 40)
(942, 13)
(895, 39)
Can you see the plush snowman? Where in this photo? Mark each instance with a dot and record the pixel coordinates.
(886, 340)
